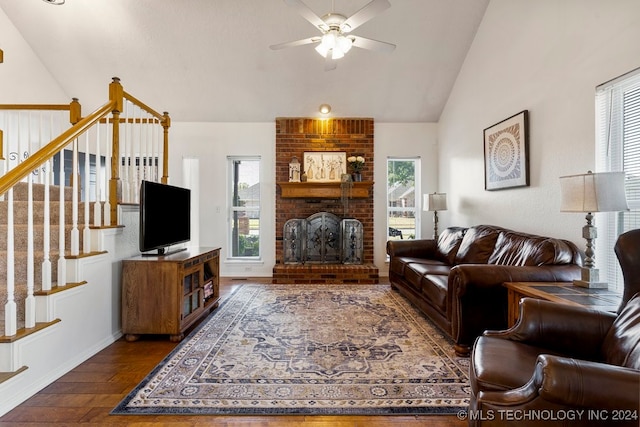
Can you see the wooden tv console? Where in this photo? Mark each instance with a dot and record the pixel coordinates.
(166, 294)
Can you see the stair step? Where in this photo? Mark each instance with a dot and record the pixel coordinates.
(21, 192)
(6, 376)
(25, 332)
(20, 209)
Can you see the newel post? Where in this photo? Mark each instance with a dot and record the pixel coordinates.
(116, 94)
(166, 124)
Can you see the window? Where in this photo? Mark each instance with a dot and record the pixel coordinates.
(244, 203)
(618, 149)
(403, 195)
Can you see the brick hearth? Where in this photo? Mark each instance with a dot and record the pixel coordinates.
(361, 274)
(294, 136)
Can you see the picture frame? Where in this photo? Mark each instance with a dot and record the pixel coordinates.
(325, 166)
(506, 153)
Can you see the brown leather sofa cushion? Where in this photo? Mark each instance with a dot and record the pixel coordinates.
(449, 242)
(434, 286)
(621, 346)
(521, 249)
(477, 245)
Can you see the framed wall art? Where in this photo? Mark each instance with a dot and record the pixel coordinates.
(325, 166)
(506, 153)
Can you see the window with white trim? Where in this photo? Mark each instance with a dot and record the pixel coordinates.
(244, 207)
(403, 198)
(618, 149)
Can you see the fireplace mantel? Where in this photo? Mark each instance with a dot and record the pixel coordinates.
(323, 190)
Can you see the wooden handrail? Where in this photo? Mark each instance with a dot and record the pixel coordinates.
(142, 105)
(15, 175)
(57, 107)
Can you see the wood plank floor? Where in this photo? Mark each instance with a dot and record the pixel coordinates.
(87, 394)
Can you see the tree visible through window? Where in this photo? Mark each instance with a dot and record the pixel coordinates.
(403, 194)
(245, 207)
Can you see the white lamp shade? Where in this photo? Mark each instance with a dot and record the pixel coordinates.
(593, 192)
(435, 202)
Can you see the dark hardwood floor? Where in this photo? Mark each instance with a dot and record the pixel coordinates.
(87, 394)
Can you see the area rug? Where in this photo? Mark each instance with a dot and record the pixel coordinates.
(308, 349)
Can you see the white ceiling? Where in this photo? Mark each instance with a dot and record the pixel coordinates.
(209, 60)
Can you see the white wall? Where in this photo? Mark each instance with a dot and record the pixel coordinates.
(211, 143)
(402, 140)
(545, 56)
(23, 78)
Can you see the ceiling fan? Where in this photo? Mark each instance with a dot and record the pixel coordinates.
(336, 39)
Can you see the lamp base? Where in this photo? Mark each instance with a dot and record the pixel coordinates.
(590, 278)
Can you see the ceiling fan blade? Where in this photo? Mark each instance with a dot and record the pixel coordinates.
(363, 15)
(295, 43)
(308, 14)
(330, 63)
(370, 44)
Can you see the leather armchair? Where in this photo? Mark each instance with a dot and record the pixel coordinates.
(561, 364)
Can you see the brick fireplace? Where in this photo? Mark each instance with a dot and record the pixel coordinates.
(294, 136)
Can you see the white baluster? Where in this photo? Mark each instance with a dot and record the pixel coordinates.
(30, 302)
(75, 233)
(132, 157)
(97, 214)
(122, 161)
(108, 149)
(10, 309)
(46, 226)
(62, 264)
(46, 238)
(86, 232)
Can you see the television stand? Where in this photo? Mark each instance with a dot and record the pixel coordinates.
(163, 252)
(167, 294)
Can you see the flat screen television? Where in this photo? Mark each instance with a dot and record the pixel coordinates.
(165, 217)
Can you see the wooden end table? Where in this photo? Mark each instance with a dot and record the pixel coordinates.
(562, 292)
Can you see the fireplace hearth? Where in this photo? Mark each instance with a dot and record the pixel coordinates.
(323, 238)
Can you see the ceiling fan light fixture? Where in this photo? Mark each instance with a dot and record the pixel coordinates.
(322, 50)
(55, 2)
(344, 43)
(336, 53)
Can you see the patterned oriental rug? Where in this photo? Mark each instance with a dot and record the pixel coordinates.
(308, 349)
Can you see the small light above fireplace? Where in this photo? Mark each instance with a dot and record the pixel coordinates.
(325, 108)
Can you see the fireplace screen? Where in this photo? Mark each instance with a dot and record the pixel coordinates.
(323, 238)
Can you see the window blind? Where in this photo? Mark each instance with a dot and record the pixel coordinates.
(618, 149)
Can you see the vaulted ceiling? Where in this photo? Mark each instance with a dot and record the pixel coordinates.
(209, 60)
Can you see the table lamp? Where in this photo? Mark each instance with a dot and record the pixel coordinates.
(435, 202)
(589, 193)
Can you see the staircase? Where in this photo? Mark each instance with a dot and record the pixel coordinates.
(56, 312)
(21, 262)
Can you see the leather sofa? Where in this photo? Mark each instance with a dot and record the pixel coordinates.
(457, 279)
(571, 365)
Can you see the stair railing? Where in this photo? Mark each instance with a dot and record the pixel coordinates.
(144, 140)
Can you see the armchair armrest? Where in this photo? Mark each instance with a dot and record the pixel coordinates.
(572, 383)
(419, 248)
(559, 327)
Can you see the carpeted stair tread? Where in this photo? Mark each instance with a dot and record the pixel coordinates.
(21, 192)
(20, 209)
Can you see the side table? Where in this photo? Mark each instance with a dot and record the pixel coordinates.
(562, 292)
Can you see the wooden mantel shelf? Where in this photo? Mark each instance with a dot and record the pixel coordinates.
(323, 190)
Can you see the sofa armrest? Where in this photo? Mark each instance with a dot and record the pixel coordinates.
(559, 327)
(419, 248)
(572, 383)
(478, 301)
(490, 275)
